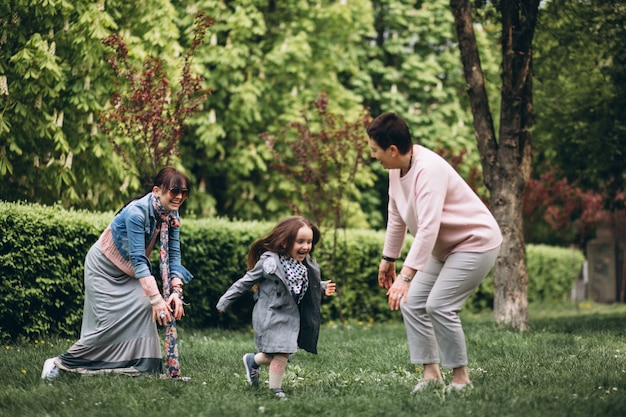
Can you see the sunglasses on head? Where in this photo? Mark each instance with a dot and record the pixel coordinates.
(175, 191)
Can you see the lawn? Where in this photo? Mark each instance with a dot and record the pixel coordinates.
(572, 362)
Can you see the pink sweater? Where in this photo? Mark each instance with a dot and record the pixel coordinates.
(439, 209)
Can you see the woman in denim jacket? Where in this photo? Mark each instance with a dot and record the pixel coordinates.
(122, 298)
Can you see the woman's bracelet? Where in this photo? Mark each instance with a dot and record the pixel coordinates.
(178, 291)
(389, 259)
(156, 299)
(405, 278)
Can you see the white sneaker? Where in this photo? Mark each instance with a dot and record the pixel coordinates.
(50, 370)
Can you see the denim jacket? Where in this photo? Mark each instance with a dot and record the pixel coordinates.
(133, 228)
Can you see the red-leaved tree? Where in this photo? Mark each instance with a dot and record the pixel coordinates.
(320, 157)
(559, 212)
(146, 119)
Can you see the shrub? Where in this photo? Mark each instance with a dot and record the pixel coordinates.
(552, 272)
(42, 250)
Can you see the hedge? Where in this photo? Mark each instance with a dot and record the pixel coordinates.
(42, 250)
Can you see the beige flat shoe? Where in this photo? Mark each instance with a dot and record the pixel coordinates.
(427, 385)
(454, 387)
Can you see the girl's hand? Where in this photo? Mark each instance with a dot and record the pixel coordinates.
(330, 288)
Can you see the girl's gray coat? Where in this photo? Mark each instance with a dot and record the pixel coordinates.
(280, 324)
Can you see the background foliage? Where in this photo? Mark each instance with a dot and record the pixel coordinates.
(265, 61)
(581, 96)
(55, 81)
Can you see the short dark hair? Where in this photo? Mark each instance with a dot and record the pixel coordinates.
(390, 129)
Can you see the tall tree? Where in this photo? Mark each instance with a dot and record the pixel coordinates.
(49, 62)
(506, 161)
(580, 69)
(412, 67)
(268, 60)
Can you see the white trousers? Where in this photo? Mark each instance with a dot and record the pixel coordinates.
(435, 298)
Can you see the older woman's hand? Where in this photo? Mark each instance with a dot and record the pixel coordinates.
(386, 274)
(397, 293)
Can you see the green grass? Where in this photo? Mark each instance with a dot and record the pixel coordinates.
(572, 362)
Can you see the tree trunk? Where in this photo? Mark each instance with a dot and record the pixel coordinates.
(506, 165)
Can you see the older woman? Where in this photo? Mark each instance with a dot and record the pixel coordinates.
(456, 242)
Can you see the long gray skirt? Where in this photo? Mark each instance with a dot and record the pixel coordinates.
(118, 333)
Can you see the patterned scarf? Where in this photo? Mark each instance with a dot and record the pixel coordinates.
(171, 338)
(296, 277)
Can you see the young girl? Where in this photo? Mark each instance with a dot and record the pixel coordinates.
(287, 310)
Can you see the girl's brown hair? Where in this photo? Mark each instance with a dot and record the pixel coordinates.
(281, 238)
